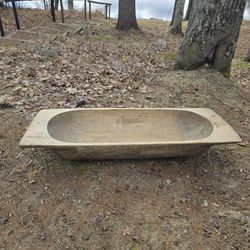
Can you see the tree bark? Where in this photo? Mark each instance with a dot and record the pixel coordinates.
(71, 4)
(127, 15)
(172, 19)
(176, 27)
(189, 9)
(1, 27)
(211, 35)
(56, 4)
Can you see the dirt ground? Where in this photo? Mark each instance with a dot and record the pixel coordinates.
(202, 202)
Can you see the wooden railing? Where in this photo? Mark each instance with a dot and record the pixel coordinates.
(107, 8)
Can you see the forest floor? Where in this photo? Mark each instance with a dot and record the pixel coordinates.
(201, 202)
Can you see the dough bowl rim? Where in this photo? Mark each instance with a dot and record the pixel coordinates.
(146, 142)
(37, 134)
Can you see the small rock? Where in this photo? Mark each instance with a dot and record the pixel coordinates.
(43, 237)
(71, 90)
(70, 235)
(144, 89)
(135, 238)
(168, 182)
(245, 220)
(160, 216)
(205, 203)
(161, 44)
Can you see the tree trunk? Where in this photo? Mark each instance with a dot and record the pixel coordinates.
(176, 27)
(70, 4)
(127, 15)
(56, 4)
(172, 19)
(189, 9)
(1, 27)
(211, 35)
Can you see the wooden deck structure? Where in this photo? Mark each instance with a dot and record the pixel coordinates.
(107, 8)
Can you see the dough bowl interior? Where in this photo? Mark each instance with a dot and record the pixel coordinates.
(128, 126)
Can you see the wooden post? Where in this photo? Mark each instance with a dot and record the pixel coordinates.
(89, 10)
(106, 5)
(15, 15)
(1, 27)
(52, 3)
(62, 14)
(85, 9)
(106, 11)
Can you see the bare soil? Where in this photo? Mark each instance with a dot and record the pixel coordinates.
(201, 202)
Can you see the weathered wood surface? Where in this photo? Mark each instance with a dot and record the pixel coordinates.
(127, 133)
